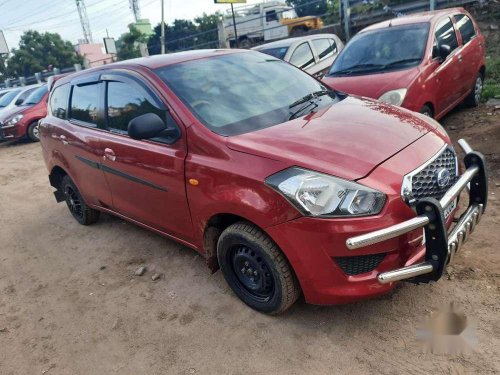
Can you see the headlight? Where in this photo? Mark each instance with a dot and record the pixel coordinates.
(14, 120)
(317, 194)
(395, 97)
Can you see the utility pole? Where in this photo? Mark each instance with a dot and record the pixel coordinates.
(162, 36)
(134, 5)
(84, 20)
(234, 26)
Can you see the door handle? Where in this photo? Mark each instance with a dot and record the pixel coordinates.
(459, 57)
(109, 154)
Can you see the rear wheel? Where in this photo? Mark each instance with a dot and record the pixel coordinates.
(76, 205)
(256, 269)
(33, 132)
(474, 97)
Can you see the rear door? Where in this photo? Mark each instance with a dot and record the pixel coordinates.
(471, 52)
(146, 177)
(303, 58)
(74, 131)
(325, 50)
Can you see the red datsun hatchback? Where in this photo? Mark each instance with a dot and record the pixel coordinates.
(427, 62)
(22, 121)
(285, 185)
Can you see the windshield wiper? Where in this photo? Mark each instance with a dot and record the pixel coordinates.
(311, 96)
(359, 68)
(403, 61)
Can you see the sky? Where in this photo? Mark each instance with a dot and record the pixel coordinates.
(61, 16)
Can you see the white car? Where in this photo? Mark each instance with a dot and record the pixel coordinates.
(15, 96)
(312, 53)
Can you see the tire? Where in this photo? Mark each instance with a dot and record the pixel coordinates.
(427, 111)
(244, 43)
(474, 97)
(256, 269)
(33, 132)
(76, 205)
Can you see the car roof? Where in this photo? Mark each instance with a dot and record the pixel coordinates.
(288, 42)
(422, 17)
(153, 62)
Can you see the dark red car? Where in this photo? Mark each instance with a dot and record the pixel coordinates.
(285, 185)
(22, 121)
(428, 62)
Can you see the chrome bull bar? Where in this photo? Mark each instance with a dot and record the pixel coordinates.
(441, 246)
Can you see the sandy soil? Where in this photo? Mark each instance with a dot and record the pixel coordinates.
(71, 304)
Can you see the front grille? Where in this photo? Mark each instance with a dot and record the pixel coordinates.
(424, 183)
(359, 264)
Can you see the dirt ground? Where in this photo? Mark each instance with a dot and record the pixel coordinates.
(71, 304)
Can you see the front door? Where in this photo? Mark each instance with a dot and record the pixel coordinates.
(146, 177)
(447, 76)
(273, 29)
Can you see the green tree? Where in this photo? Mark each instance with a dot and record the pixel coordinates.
(187, 34)
(128, 44)
(37, 51)
(308, 7)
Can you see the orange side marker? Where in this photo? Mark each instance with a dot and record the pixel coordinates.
(194, 182)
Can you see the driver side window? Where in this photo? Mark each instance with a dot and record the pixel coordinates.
(444, 35)
(124, 102)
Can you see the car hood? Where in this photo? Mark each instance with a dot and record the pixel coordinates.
(372, 85)
(7, 113)
(348, 139)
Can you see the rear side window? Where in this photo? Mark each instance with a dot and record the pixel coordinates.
(59, 98)
(445, 34)
(324, 47)
(85, 102)
(465, 27)
(302, 57)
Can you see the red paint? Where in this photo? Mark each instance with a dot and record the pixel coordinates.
(376, 144)
(443, 85)
(31, 114)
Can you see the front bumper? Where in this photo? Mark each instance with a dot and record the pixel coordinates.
(441, 244)
(322, 251)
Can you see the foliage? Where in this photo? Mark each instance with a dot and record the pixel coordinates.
(181, 35)
(127, 45)
(491, 87)
(309, 7)
(37, 51)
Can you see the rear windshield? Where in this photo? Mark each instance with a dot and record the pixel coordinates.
(7, 98)
(276, 52)
(36, 96)
(241, 92)
(391, 48)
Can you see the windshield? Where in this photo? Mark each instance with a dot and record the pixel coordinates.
(279, 52)
(7, 98)
(36, 96)
(288, 14)
(392, 48)
(243, 92)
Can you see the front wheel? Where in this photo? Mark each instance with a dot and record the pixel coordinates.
(76, 205)
(256, 269)
(33, 132)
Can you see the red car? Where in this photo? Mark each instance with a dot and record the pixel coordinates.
(427, 62)
(285, 185)
(22, 121)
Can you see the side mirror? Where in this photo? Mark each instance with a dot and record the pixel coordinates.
(444, 51)
(19, 101)
(146, 126)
